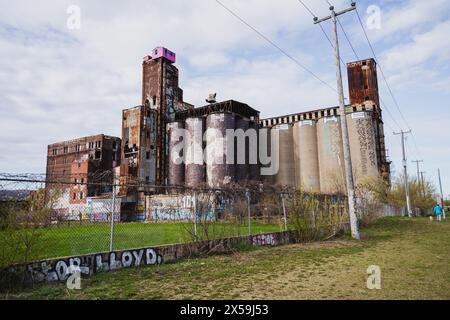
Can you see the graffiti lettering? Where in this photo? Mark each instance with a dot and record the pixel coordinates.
(60, 270)
(264, 240)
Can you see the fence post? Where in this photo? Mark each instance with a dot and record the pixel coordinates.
(247, 194)
(195, 216)
(113, 213)
(284, 211)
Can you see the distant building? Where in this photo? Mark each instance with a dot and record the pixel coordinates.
(76, 167)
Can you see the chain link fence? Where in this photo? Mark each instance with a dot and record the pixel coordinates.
(42, 218)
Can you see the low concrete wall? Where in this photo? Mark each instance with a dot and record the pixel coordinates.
(60, 269)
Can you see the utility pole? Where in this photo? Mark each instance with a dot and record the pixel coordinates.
(418, 170)
(405, 171)
(345, 139)
(442, 194)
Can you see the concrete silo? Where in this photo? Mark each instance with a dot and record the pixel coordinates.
(220, 168)
(255, 174)
(241, 150)
(306, 156)
(176, 163)
(330, 154)
(286, 171)
(361, 130)
(194, 165)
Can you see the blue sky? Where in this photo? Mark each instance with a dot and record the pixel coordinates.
(57, 83)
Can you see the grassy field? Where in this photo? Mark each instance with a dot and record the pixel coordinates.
(413, 255)
(79, 239)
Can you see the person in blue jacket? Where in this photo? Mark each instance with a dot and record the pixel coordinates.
(438, 212)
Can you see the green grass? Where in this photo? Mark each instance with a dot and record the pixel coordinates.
(413, 256)
(78, 239)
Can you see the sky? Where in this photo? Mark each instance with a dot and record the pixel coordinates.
(68, 68)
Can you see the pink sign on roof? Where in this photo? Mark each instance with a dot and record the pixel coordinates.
(161, 52)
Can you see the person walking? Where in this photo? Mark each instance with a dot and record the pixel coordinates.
(438, 212)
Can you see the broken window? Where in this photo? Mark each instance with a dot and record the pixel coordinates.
(147, 155)
(81, 195)
(66, 149)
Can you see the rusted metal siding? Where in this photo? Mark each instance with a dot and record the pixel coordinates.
(363, 81)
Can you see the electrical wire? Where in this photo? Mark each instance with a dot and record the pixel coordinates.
(297, 62)
(385, 80)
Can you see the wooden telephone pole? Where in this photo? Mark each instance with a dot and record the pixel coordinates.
(346, 142)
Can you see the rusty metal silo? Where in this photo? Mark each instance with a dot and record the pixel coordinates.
(242, 169)
(220, 168)
(286, 171)
(361, 130)
(194, 165)
(176, 163)
(306, 156)
(331, 155)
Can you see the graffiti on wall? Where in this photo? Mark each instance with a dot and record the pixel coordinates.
(60, 270)
(264, 240)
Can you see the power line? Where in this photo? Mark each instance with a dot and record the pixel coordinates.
(297, 62)
(306, 7)
(354, 51)
(385, 79)
(321, 28)
(348, 39)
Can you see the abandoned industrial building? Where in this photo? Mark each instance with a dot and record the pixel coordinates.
(164, 128)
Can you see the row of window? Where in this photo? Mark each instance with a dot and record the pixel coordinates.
(77, 148)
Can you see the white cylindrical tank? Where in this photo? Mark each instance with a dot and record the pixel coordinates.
(220, 168)
(194, 167)
(330, 155)
(306, 156)
(286, 172)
